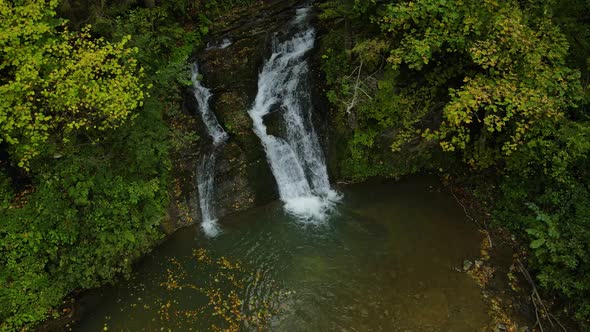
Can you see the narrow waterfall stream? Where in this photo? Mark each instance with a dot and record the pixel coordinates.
(206, 167)
(297, 161)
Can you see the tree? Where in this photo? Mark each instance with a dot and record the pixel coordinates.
(498, 69)
(56, 84)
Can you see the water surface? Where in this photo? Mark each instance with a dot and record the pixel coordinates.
(384, 262)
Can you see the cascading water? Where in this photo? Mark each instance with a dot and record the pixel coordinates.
(206, 168)
(202, 95)
(297, 161)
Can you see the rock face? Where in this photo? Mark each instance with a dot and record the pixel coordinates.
(237, 48)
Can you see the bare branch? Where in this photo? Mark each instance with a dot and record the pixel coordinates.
(353, 102)
(537, 301)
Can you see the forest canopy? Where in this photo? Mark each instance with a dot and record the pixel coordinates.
(57, 84)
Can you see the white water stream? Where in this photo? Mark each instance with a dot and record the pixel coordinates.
(297, 161)
(206, 167)
(202, 95)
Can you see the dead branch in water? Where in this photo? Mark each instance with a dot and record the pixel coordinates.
(537, 301)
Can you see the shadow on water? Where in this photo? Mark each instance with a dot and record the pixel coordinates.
(384, 262)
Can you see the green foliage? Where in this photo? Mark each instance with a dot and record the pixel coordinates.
(554, 221)
(56, 85)
(92, 213)
(347, 10)
(500, 73)
(573, 18)
(87, 118)
(167, 45)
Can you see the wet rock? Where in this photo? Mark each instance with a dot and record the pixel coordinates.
(274, 123)
(243, 180)
(168, 225)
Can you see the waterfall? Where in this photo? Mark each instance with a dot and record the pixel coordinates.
(202, 95)
(206, 167)
(297, 161)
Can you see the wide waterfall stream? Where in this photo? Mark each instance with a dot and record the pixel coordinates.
(297, 162)
(206, 167)
(384, 262)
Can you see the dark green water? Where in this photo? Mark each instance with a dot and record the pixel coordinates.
(383, 263)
